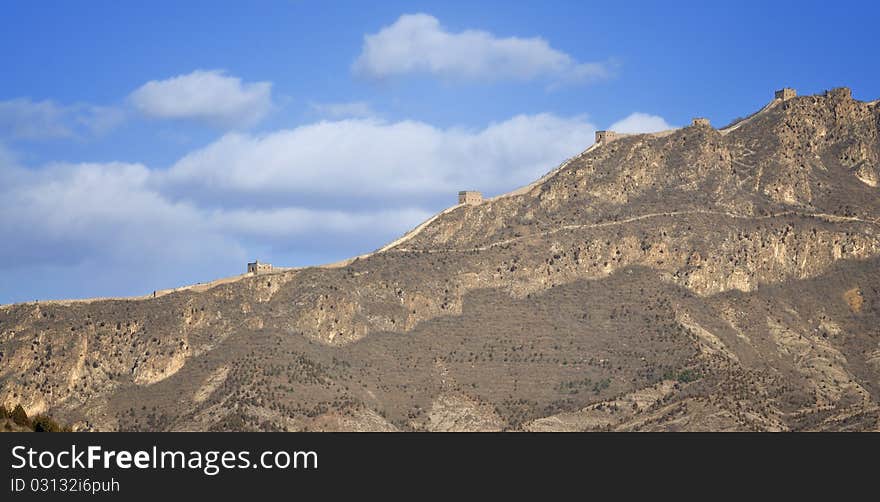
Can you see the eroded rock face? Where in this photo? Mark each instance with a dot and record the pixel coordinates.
(700, 279)
(74, 355)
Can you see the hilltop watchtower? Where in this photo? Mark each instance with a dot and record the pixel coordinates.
(841, 92)
(785, 94)
(701, 121)
(258, 268)
(605, 137)
(470, 197)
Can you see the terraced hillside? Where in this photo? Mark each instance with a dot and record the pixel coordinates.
(698, 279)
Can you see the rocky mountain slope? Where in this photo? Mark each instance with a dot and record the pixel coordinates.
(698, 279)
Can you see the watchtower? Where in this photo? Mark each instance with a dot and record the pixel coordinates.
(605, 136)
(841, 92)
(257, 268)
(470, 197)
(701, 121)
(785, 94)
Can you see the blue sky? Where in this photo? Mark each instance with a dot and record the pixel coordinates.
(154, 144)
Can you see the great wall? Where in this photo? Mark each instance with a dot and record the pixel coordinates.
(682, 280)
(465, 198)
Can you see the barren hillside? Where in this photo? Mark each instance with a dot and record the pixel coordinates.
(701, 279)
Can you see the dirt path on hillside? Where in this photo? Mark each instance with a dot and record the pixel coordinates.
(822, 216)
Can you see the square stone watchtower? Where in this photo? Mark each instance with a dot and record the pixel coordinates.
(605, 136)
(469, 197)
(785, 94)
(258, 268)
(701, 121)
(840, 92)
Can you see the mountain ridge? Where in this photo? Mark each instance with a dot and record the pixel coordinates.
(416, 230)
(643, 284)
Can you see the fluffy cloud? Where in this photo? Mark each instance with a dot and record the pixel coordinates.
(640, 123)
(25, 119)
(206, 96)
(320, 192)
(111, 211)
(103, 229)
(370, 159)
(418, 44)
(77, 211)
(210, 97)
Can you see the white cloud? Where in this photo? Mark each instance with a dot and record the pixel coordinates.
(23, 118)
(418, 44)
(99, 119)
(98, 229)
(110, 211)
(640, 123)
(105, 230)
(208, 96)
(373, 159)
(104, 210)
(340, 188)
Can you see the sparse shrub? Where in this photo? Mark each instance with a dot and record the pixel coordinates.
(601, 385)
(687, 376)
(4, 413)
(683, 376)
